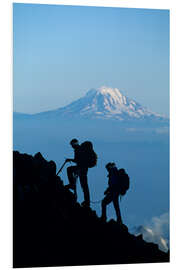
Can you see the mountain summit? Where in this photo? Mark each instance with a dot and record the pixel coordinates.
(107, 103)
(102, 103)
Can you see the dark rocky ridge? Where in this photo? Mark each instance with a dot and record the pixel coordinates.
(51, 229)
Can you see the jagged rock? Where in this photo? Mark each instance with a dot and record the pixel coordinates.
(51, 229)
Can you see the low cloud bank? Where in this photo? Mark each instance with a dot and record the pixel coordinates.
(156, 231)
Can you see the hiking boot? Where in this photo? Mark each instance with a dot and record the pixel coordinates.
(70, 186)
(85, 204)
(103, 219)
(119, 222)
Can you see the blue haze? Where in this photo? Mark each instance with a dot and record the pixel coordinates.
(62, 51)
(144, 154)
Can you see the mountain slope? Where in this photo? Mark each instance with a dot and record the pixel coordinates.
(51, 229)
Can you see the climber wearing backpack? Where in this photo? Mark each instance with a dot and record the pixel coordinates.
(72, 171)
(117, 186)
(84, 157)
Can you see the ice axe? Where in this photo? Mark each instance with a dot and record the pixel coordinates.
(61, 167)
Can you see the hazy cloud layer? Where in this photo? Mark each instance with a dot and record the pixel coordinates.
(162, 130)
(160, 228)
(155, 231)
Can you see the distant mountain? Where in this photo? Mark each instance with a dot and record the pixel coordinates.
(104, 103)
(18, 115)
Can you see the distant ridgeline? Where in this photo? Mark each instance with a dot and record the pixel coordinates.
(103, 103)
(51, 229)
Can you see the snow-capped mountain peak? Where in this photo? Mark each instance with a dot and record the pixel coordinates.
(113, 96)
(104, 90)
(107, 103)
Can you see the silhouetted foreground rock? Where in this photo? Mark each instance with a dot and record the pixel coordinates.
(51, 229)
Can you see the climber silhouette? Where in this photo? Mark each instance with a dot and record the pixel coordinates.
(112, 192)
(79, 170)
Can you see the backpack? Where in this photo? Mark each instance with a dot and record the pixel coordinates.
(123, 181)
(89, 157)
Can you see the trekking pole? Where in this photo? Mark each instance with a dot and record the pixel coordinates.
(61, 167)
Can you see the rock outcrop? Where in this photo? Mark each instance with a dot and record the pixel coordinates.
(51, 229)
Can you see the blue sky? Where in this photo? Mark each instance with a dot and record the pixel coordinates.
(60, 52)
